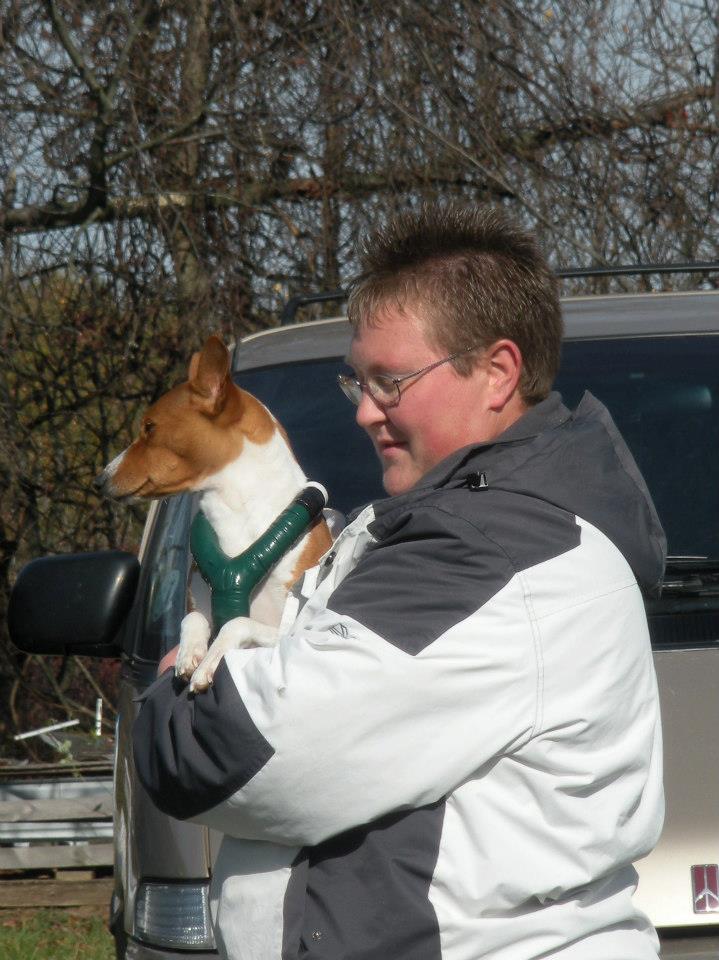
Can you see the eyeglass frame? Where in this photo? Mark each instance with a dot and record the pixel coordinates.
(345, 379)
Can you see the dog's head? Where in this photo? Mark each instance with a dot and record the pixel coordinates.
(189, 434)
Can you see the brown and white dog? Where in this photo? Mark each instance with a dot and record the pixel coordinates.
(209, 435)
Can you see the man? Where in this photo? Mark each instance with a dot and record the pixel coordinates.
(459, 731)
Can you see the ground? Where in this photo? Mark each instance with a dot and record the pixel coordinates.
(54, 935)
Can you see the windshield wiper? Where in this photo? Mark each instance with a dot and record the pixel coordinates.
(691, 575)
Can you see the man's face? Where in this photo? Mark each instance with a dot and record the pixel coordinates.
(438, 412)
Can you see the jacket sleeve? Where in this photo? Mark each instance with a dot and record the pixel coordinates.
(419, 669)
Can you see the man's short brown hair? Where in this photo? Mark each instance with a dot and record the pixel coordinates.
(475, 276)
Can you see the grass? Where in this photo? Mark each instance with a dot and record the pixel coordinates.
(55, 935)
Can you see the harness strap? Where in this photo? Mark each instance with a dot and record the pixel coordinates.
(232, 579)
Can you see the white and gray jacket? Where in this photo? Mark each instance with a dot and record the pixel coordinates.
(457, 739)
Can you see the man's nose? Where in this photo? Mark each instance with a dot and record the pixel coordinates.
(369, 412)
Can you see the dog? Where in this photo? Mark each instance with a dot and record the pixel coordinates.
(209, 435)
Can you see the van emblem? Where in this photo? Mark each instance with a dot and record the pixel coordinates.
(705, 887)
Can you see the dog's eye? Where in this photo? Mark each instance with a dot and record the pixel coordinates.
(148, 428)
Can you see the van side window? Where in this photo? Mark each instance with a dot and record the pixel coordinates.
(166, 566)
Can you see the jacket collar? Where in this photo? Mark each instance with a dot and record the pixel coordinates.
(546, 415)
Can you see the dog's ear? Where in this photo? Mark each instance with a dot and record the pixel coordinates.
(209, 375)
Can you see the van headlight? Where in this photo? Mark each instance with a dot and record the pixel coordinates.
(174, 915)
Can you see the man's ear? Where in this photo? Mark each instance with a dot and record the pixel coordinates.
(209, 375)
(503, 361)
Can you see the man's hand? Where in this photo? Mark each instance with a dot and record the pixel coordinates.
(168, 660)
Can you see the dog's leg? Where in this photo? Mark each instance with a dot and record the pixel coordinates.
(194, 638)
(236, 634)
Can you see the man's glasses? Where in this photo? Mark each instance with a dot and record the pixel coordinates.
(383, 387)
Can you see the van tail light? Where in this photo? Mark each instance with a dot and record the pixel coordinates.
(174, 915)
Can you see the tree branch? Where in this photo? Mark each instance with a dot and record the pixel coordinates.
(253, 195)
(660, 112)
(78, 61)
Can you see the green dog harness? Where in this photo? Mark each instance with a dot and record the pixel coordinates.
(232, 579)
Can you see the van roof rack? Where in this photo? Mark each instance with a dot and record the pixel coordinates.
(636, 269)
(293, 305)
(290, 309)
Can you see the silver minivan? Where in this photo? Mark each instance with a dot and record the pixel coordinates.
(653, 359)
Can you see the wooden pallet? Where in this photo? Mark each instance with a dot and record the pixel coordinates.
(56, 851)
(60, 892)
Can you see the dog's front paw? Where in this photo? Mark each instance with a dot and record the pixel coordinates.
(194, 637)
(236, 634)
(203, 674)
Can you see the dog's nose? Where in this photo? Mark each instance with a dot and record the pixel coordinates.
(99, 481)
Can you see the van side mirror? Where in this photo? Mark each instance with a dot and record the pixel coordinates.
(73, 603)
